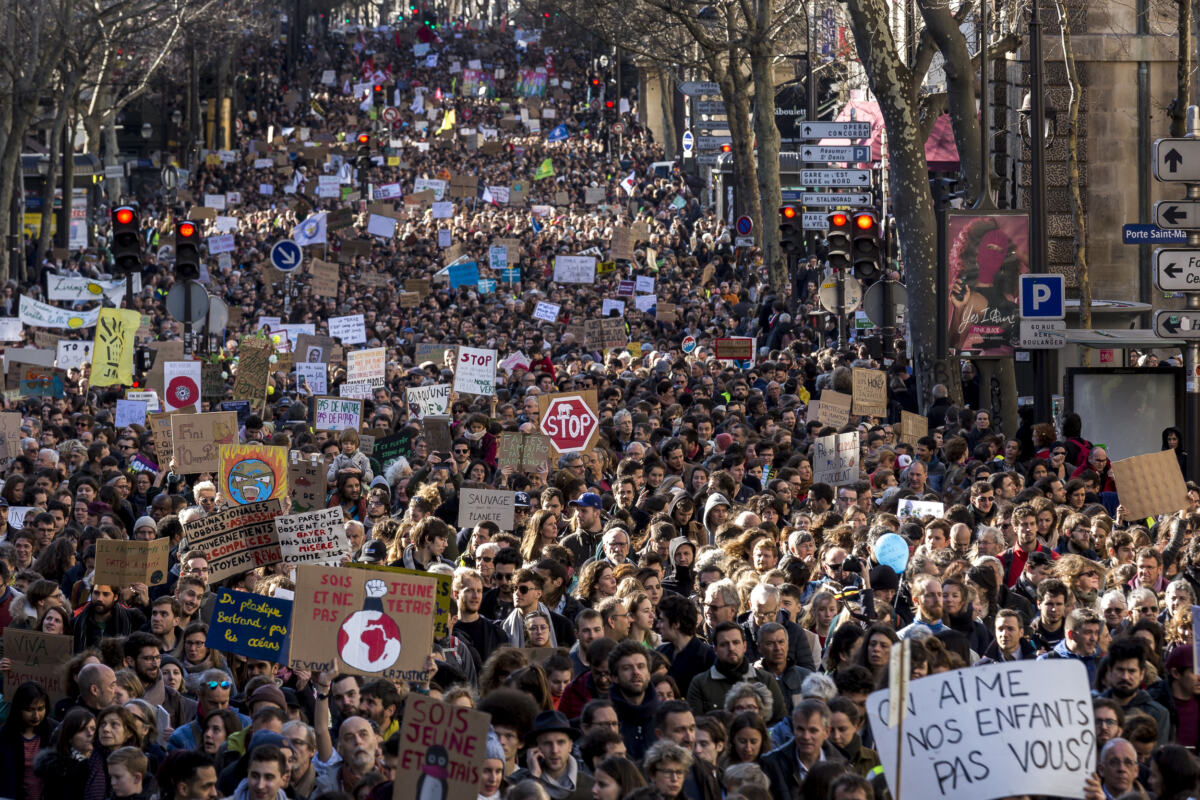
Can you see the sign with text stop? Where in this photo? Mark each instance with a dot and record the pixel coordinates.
(569, 420)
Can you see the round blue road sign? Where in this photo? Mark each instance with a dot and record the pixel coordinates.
(286, 255)
(744, 226)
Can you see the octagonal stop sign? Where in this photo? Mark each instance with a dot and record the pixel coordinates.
(569, 420)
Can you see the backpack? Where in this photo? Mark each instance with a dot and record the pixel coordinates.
(1085, 450)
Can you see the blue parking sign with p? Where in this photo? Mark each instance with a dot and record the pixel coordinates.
(1043, 297)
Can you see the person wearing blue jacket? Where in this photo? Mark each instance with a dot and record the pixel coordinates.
(1080, 642)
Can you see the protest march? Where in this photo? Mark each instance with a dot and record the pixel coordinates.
(523, 483)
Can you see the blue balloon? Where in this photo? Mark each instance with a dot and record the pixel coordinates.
(891, 550)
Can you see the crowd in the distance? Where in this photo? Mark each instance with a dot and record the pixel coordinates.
(681, 611)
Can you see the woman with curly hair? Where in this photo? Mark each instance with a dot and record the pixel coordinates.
(596, 582)
(503, 661)
(1084, 577)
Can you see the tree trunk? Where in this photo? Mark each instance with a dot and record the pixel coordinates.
(944, 28)
(666, 99)
(52, 169)
(1177, 110)
(1073, 172)
(768, 155)
(745, 170)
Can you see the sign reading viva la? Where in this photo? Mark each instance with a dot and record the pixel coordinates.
(42, 315)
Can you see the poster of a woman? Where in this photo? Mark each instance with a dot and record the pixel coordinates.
(987, 255)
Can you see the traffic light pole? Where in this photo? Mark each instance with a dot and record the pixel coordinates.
(841, 309)
(187, 318)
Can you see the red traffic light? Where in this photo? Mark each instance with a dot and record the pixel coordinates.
(838, 220)
(788, 212)
(864, 222)
(725, 148)
(186, 229)
(378, 88)
(364, 138)
(595, 81)
(124, 216)
(609, 104)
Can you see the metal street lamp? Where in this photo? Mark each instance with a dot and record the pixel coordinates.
(1049, 123)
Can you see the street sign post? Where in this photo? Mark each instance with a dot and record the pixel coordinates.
(1178, 325)
(689, 143)
(1177, 160)
(876, 310)
(829, 154)
(1043, 297)
(744, 226)
(1041, 334)
(814, 220)
(827, 198)
(827, 294)
(697, 88)
(1177, 270)
(710, 143)
(837, 130)
(852, 178)
(1177, 214)
(1138, 233)
(286, 255)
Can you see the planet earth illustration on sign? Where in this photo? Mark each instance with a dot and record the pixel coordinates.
(369, 640)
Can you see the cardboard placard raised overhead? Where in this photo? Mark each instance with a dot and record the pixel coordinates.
(197, 439)
(237, 539)
(442, 749)
(429, 400)
(524, 452)
(254, 366)
(912, 427)
(122, 562)
(835, 459)
(833, 408)
(870, 392)
(1150, 484)
(380, 620)
(307, 481)
(39, 657)
(999, 730)
(570, 420)
(336, 414)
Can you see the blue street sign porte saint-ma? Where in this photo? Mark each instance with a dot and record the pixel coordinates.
(1043, 297)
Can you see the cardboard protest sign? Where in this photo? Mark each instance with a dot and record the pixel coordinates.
(835, 459)
(325, 278)
(254, 472)
(734, 348)
(197, 439)
(251, 625)
(112, 351)
(486, 505)
(314, 377)
(160, 426)
(381, 620)
(314, 537)
(574, 269)
(605, 334)
(336, 414)
(912, 427)
(307, 481)
(426, 400)
(442, 748)
(570, 420)
(254, 366)
(834, 409)
(919, 508)
(999, 730)
(475, 371)
(181, 385)
(349, 330)
(1150, 484)
(436, 431)
(237, 538)
(121, 562)
(10, 430)
(314, 349)
(70, 354)
(39, 657)
(870, 392)
(524, 452)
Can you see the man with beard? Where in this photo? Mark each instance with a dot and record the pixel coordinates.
(164, 622)
(632, 697)
(467, 591)
(1126, 672)
(927, 604)
(189, 591)
(143, 655)
(104, 617)
(708, 689)
(357, 745)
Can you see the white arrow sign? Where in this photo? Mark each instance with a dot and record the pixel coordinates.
(824, 153)
(1177, 159)
(854, 178)
(694, 88)
(1177, 214)
(1177, 270)
(835, 130)
(829, 198)
(1177, 324)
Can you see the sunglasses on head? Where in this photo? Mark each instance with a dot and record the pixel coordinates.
(219, 684)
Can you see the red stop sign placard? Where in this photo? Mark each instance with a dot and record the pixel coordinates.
(569, 422)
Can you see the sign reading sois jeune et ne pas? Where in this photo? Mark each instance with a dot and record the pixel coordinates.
(440, 744)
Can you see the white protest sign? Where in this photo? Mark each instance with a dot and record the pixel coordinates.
(73, 355)
(74, 287)
(216, 201)
(181, 385)
(547, 312)
(315, 537)
(835, 459)
(498, 258)
(444, 238)
(10, 329)
(264, 163)
(315, 376)
(221, 244)
(475, 371)
(437, 185)
(609, 306)
(130, 412)
(381, 226)
(388, 191)
(486, 505)
(336, 414)
(366, 366)
(645, 284)
(645, 302)
(574, 269)
(919, 508)
(424, 401)
(148, 396)
(42, 315)
(350, 330)
(998, 730)
(443, 210)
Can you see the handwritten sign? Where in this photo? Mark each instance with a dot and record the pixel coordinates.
(197, 439)
(834, 408)
(72, 354)
(574, 269)
(485, 505)
(475, 371)
(835, 459)
(912, 427)
(450, 735)
(254, 366)
(314, 537)
(112, 352)
(380, 620)
(391, 449)
(547, 312)
(252, 472)
(524, 452)
(121, 562)
(336, 413)
(35, 314)
(237, 539)
(351, 329)
(307, 481)
(426, 400)
(1000, 730)
(251, 625)
(870, 392)
(919, 508)
(38, 657)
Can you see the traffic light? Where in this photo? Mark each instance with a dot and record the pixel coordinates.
(595, 81)
(837, 240)
(126, 240)
(866, 246)
(364, 151)
(187, 251)
(378, 96)
(791, 231)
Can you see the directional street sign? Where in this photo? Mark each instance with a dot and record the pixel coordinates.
(855, 178)
(689, 143)
(709, 107)
(838, 130)
(695, 88)
(1177, 159)
(828, 154)
(814, 220)
(708, 159)
(1177, 270)
(1041, 334)
(1139, 233)
(1177, 214)
(711, 143)
(827, 198)
(286, 255)
(1177, 324)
